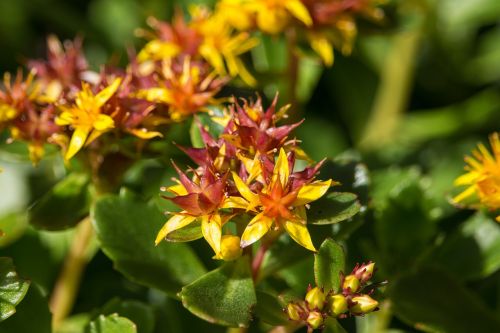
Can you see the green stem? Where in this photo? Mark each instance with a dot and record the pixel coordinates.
(394, 90)
(68, 282)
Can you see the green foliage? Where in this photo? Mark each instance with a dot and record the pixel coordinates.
(473, 251)
(64, 205)
(129, 242)
(333, 208)
(420, 298)
(12, 288)
(442, 263)
(138, 312)
(111, 324)
(224, 296)
(32, 314)
(269, 309)
(329, 262)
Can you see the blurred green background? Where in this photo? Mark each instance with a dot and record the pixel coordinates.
(418, 92)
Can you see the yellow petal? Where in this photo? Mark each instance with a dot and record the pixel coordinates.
(465, 194)
(281, 168)
(178, 189)
(177, 221)
(255, 229)
(244, 73)
(77, 141)
(105, 94)
(300, 11)
(300, 234)
(157, 95)
(65, 118)
(235, 202)
(252, 198)
(142, 133)
(93, 136)
(104, 123)
(466, 179)
(312, 192)
(322, 46)
(158, 50)
(211, 227)
(213, 57)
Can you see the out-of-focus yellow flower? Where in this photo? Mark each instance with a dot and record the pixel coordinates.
(7, 112)
(273, 16)
(236, 13)
(85, 116)
(483, 176)
(186, 92)
(221, 47)
(280, 203)
(158, 50)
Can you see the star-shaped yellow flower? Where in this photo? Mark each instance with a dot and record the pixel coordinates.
(280, 202)
(86, 117)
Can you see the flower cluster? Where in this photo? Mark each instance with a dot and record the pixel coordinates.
(246, 176)
(175, 75)
(324, 24)
(482, 178)
(352, 300)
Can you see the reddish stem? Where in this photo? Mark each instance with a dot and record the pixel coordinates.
(257, 261)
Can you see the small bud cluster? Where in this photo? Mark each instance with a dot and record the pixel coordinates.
(349, 301)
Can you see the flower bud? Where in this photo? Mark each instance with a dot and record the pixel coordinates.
(365, 272)
(315, 319)
(229, 248)
(315, 299)
(337, 304)
(363, 304)
(351, 282)
(294, 311)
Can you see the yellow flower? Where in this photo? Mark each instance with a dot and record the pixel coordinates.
(236, 13)
(85, 116)
(274, 15)
(221, 47)
(483, 176)
(157, 49)
(7, 112)
(185, 92)
(281, 203)
(201, 200)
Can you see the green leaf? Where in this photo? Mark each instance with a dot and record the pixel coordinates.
(32, 314)
(126, 229)
(12, 227)
(333, 326)
(224, 296)
(140, 313)
(473, 251)
(404, 227)
(433, 301)
(351, 173)
(269, 309)
(328, 263)
(12, 288)
(64, 205)
(111, 324)
(333, 208)
(189, 233)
